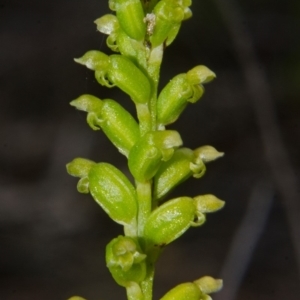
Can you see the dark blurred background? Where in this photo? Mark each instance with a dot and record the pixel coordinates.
(52, 239)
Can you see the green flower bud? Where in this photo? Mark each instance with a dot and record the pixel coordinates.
(123, 73)
(112, 4)
(125, 260)
(208, 153)
(182, 89)
(168, 15)
(197, 290)
(119, 41)
(129, 78)
(200, 74)
(169, 221)
(76, 298)
(208, 203)
(119, 126)
(125, 45)
(183, 164)
(144, 160)
(94, 60)
(117, 70)
(184, 291)
(209, 285)
(131, 48)
(130, 14)
(148, 153)
(107, 24)
(116, 122)
(98, 62)
(173, 99)
(123, 252)
(80, 167)
(90, 104)
(114, 193)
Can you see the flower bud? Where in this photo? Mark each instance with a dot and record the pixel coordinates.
(123, 73)
(120, 71)
(125, 45)
(209, 285)
(182, 89)
(208, 153)
(116, 122)
(94, 60)
(119, 126)
(148, 153)
(114, 193)
(184, 291)
(131, 48)
(208, 203)
(107, 24)
(76, 298)
(169, 15)
(200, 75)
(183, 164)
(197, 290)
(173, 99)
(89, 104)
(130, 14)
(125, 260)
(80, 167)
(169, 221)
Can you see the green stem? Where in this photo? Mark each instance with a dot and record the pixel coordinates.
(147, 112)
(144, 117)
(144, 196)
(147, 284)
(144, 202)
(147, 122)
(154, 63)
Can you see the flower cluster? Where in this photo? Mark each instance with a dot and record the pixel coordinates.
(138, 31)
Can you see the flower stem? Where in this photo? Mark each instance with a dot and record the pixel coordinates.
(147, 284)
(144, 204)
(154, 63)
